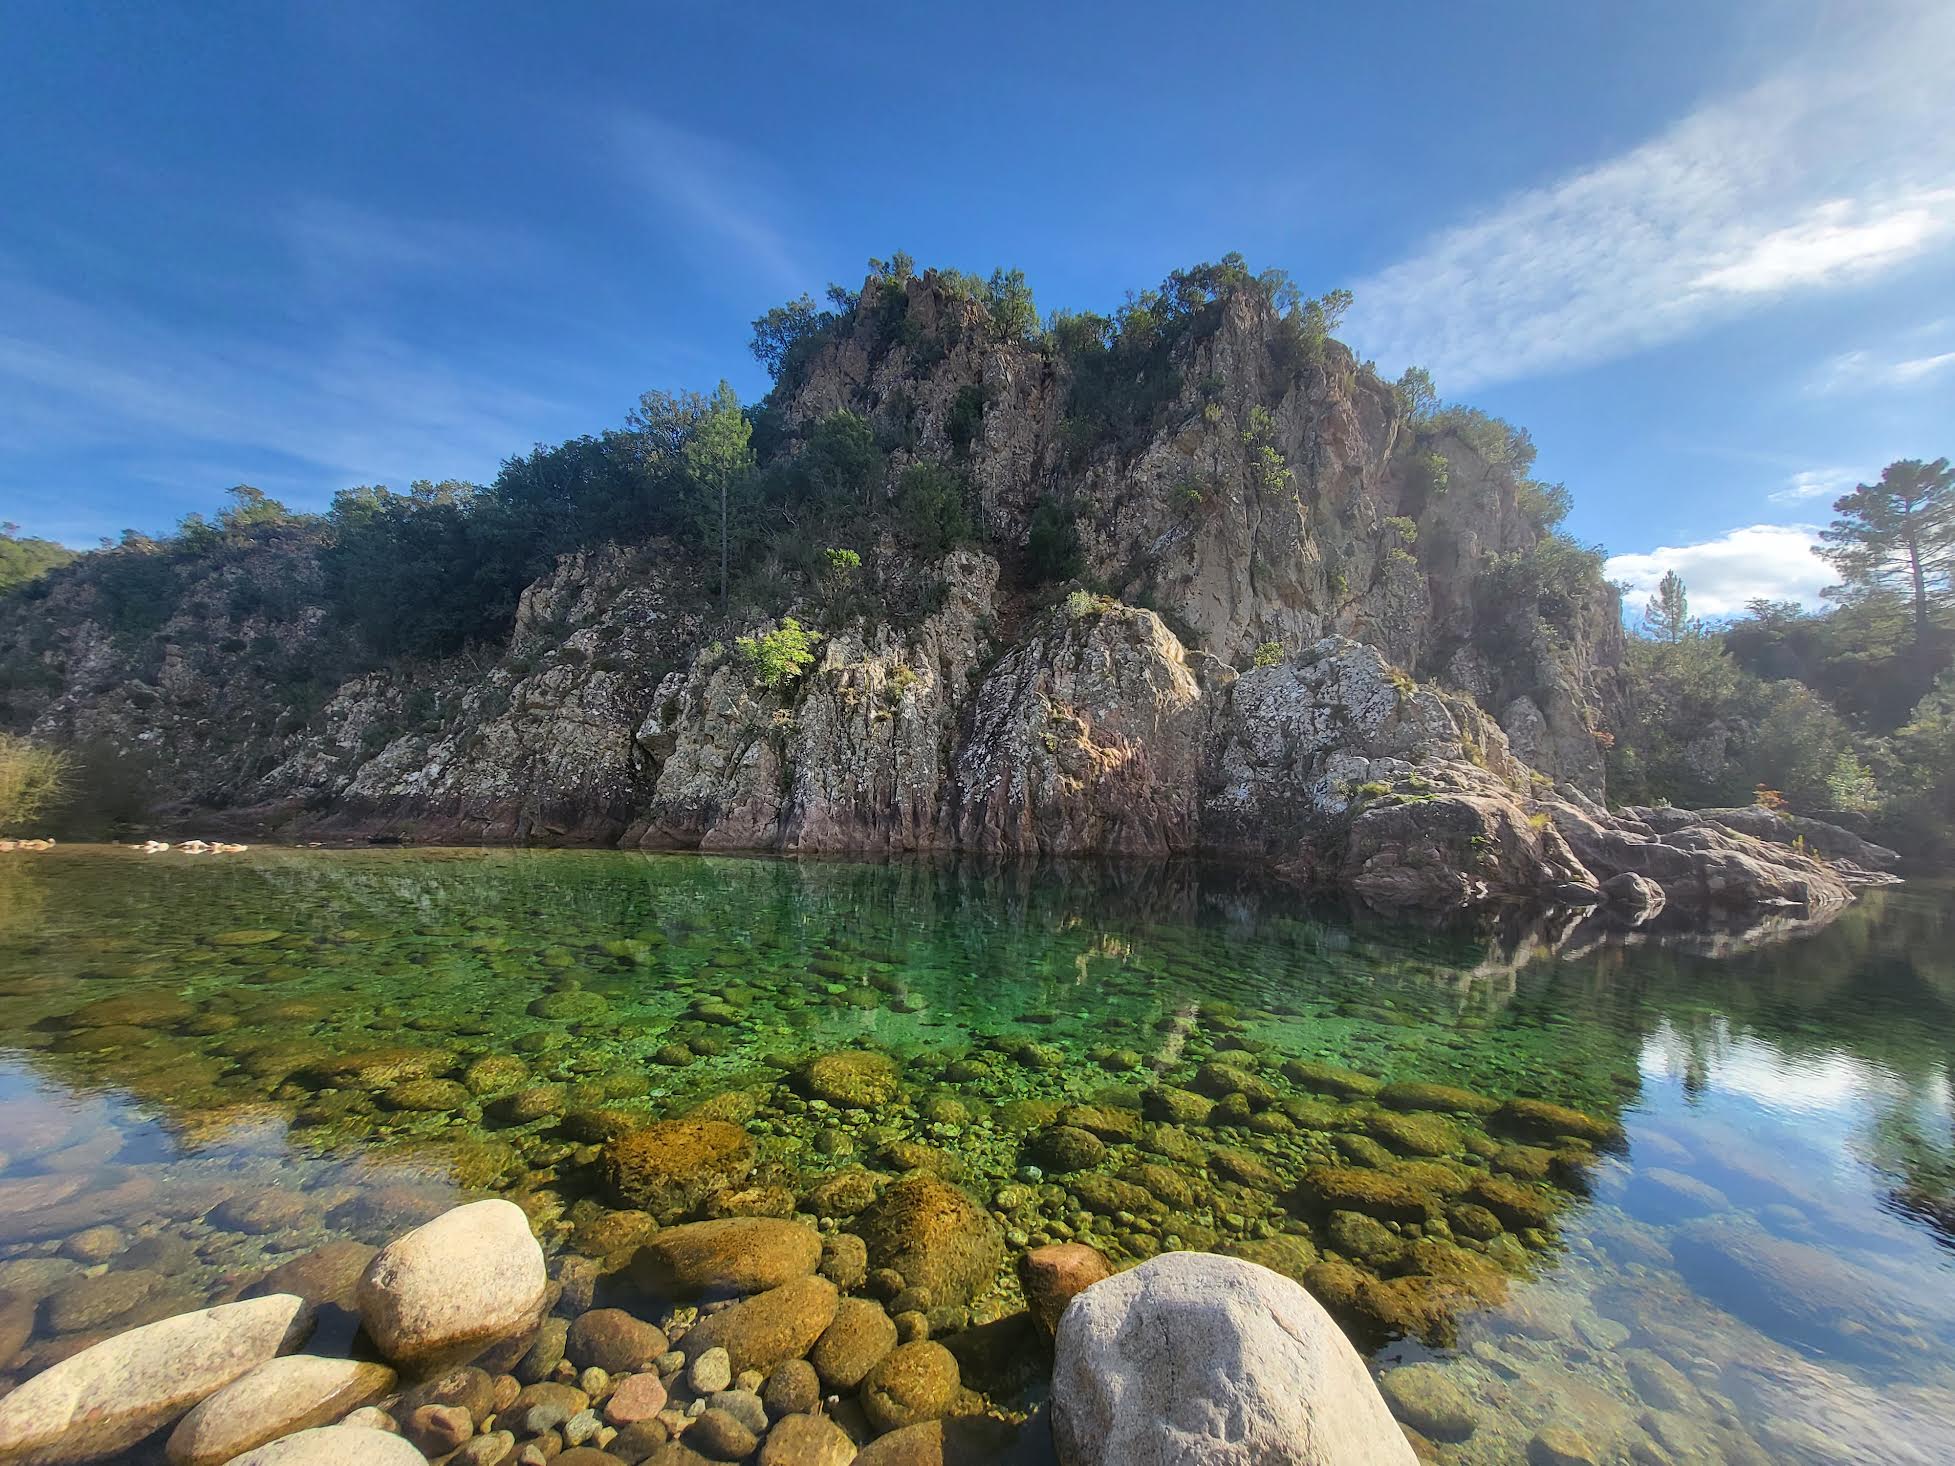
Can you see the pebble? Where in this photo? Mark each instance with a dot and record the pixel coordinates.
(580, 1427)
(637, 1397)
(744, 1406)
(710, 1372)
(486, 1450)
(1557, 1445)
(439, 1429)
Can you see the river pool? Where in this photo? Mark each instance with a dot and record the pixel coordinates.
(1689, 1198)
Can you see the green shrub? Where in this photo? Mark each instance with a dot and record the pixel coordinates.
(1268, 654)
(933, 507)
(777, 658)
(1052, 548)
(966, 421)
(32, 779)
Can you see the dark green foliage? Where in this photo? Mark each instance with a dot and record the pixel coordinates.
(1558, 577)
(966, 423)
(1897, 536)
(1052, 548)
(933, 510)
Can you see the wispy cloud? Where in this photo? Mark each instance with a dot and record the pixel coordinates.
(1760, 561)
(1837, 169)
(1873, 371)
(1817, 483)
(710, 194)
(356, 403)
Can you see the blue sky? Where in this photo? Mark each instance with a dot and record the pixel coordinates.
(1704, 252)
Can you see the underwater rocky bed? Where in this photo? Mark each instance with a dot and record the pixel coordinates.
(1680, 1205)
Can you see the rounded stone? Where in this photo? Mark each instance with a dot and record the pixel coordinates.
(277, 1398)
(613, 1340)
(857, 1079)
(1426, 1397)
(915, 1383)
(711, 1369)
(732, 1255)
(637, 1397)
(453, 1286)
(768, 1329)
(861, 1336)
(934, 1235)
(1225, 1359)
(1558, 1445)
(806, 1440)
(109, 1396)
(670, 1167)
(792, 1388)
(1054, 1275)
(1063, 1148)
(716, 1435)
(335, 1445)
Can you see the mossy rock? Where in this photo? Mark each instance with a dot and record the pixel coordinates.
(1516, 1205)
(1541, 1120)
(537, 1102)
(1285, 1253)
(1173, 1143)
(1106, 1195)
(914, 1383)
(1105, 1121)
(372, 1068)
(1165, 1184)
(1232, 1109)
(1312, 1114)
(1322, 1078)
(599, 1123)
(1217, 1079)
(1438, 1178)
(1428, 1398)
(1176, 1106)
(1528, 1162)
(736, 1255)
(914, 1155)
(935, 1235)
(1445, 1098)
(1365, 1238)
(430, 1095)
(574, 1006)
(1419, 1133)
(1469, 1219)
(735, 1106)
(1362, 1150)
(1015, 1117)
(843, 1194)
(495, 1073)
(1064, 1148)
(670, 1167)
(1377, 1194)
(1244, 1168)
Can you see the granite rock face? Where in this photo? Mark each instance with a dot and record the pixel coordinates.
(1306, 648)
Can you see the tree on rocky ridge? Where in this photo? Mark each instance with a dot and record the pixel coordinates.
(1898, 534)
(1666, 614)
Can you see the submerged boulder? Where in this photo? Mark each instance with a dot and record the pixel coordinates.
(1192, 1357)
(670, 1168)
(733, 1255)
(292, 1393)
(935, 1235)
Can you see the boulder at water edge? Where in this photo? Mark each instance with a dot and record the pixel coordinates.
(280, 1396)
(109, 1396)
(334, 1445)
(1196, 1360)
(455, 1285)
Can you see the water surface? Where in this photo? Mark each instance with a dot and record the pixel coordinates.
(209, 1065)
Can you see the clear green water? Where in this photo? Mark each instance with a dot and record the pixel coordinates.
(204, 1063)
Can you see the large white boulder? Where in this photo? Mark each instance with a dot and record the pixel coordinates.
(448, 1289)
(1196, 1360)
(109, 1396)
(334, 1445)
(292, 1393)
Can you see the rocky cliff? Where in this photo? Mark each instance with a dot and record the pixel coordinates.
(1307, 629)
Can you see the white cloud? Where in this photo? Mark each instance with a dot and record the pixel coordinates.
(1770, 561)
(1914, 369)
(1818, 483)
(1837, 169)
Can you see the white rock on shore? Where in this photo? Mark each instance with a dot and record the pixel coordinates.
(1196, 1360)
(106, 1398)
(280, 1396)
(457, 1284)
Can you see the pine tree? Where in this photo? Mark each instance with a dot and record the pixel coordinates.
(1666, 615)
(1898, 535)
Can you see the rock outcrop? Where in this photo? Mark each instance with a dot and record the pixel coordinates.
(1323, 636)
